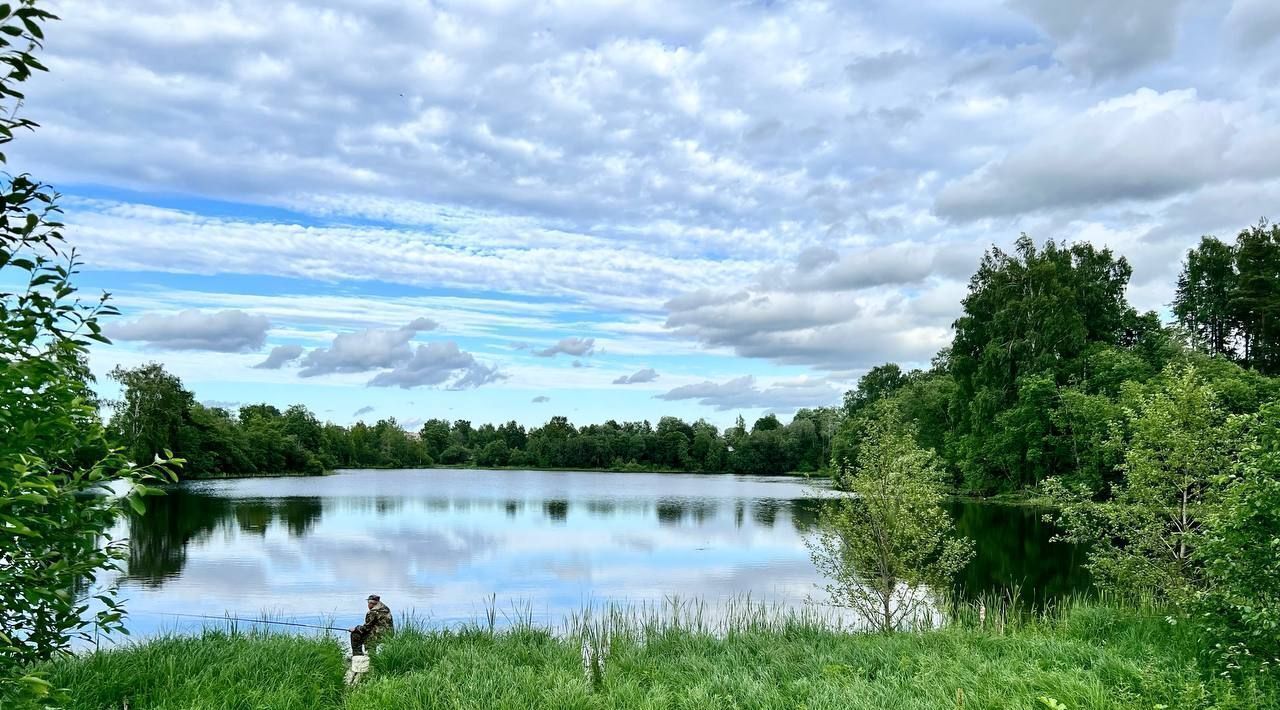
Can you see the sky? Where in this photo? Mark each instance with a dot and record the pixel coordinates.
(495, 210)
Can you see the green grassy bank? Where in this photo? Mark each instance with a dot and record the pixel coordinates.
(1088, 657)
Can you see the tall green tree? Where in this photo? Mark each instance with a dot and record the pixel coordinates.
(435, 436)
(1257, 296)
(1228, 297)
(54, 455)
(1028, 318)
(879, 383)
(1204, 300)
(152, 409)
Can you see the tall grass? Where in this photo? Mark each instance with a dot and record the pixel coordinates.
(687, 654)
(216, 669)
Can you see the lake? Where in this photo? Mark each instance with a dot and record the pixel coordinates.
(440, 543)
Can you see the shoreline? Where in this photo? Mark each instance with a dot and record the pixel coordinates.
(460, 467)
(1026, 499)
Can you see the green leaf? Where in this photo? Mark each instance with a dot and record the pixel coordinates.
(31, 498)
(36, 685)
(17, 528)
(33, 28)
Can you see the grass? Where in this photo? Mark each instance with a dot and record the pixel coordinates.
(217, 669)
(1083, 656)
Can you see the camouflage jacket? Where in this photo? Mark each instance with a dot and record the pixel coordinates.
(378, 619)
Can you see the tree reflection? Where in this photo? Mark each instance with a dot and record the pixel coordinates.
(253, 516)
(300, 514)
(804, 514)
(1013, 549)
(557, 510)
(158, 540)
(670, 511)
(602, 508)
(765, 512)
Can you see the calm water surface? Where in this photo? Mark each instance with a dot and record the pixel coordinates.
(439, 542)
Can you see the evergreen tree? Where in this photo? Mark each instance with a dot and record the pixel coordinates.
(1203, 303)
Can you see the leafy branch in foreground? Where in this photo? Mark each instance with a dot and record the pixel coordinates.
(61, 484)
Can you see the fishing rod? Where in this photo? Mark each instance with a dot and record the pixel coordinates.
(247, 621)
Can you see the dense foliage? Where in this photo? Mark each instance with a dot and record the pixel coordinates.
(1047, 355)
(1158, 443)
(54, 456)
(1240, 552)
(155, 412)
(1145, 535)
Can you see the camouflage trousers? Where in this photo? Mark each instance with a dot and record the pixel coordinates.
(360, 637)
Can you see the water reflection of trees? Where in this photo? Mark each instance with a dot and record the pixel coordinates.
(557, 510)
(765, 512)
(1013, 543)
(674, 511)
(1014, 549)
(158, 540)
(602, 508)
(300, 514)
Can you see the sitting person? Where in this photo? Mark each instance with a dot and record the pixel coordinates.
(377, 621)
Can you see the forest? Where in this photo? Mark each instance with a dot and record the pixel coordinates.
(156, 413)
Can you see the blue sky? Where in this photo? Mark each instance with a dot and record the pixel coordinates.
(495, 210)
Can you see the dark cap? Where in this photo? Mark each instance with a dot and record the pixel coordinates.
(375, 598)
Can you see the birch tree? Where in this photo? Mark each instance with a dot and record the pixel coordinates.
(889, 546)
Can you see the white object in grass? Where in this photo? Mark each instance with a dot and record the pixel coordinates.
(359, 666)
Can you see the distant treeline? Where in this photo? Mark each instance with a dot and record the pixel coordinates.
(157, 413)
(1047, 359)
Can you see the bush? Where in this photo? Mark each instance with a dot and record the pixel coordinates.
(1240, 550)
(314, 466)
(495, 453)
(455, 454)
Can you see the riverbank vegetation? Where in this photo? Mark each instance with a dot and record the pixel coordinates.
(1080, 656)
(1049, 360)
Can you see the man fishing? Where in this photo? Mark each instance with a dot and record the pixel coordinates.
(377, 621)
